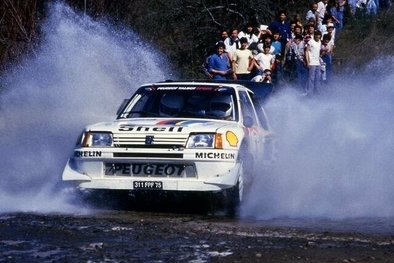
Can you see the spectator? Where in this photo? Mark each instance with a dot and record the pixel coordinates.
(242, 61)
(219, 63)
(312, 57)
(204, 68)
(328, 20)
(312, 13)
(338, 13)
(326, 55)
(352, 6)
(264, 60)
(266, 77)
(297, 31)
(372, 8)
(276, 43)
(249, 34)
(266, 40)
(223, 36)
(309, 30)
(263, 30)
(331, 33)
(232, 43)
(296, 54)
(282, 25)
(322, 9)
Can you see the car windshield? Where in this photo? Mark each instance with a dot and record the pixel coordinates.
(182, 102)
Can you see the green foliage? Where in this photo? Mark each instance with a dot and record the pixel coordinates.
(365, 38)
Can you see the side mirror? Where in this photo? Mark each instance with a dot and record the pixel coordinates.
(121, 106)
(248, 121)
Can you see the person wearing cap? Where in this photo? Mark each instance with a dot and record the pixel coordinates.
(242, 61)
(312, 58)
(331, 32)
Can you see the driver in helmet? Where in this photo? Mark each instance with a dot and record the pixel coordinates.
(195, 106)
(221, 107)
(171, 104)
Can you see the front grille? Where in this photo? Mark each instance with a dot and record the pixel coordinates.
(158, 141)
(152, 155)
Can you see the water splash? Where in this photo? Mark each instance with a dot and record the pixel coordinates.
(334, 151)
(80, 74)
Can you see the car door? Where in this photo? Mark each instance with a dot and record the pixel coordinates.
(252, 125)
(267, 138)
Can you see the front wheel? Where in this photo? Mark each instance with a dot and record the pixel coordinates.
(233, 197)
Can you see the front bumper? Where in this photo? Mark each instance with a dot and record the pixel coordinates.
(213, 172)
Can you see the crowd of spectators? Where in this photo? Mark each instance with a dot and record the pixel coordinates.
(299, 49)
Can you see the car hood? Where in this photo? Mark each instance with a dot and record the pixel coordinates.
(160, 125)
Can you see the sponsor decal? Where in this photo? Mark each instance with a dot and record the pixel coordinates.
(185, 123)
(231, 138)
(200, 88)
(87, 153)
(137, 169)
(212, 155)
(126, 127)
(158, 169)
(176, 88)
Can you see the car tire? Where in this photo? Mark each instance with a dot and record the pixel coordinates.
(234, 197)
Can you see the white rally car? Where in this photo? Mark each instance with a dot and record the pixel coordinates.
(177, 136)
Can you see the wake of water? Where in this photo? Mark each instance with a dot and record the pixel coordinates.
(334, 151)
(82, 72)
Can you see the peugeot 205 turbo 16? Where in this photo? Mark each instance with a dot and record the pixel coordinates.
(177, 137)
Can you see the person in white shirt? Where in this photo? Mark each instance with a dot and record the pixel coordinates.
(322, 9)
(312, 58)
(249, 34)
(232, 43)
(265, 60)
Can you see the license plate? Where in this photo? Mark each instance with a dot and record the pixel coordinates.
(147, 185)
(149, 170)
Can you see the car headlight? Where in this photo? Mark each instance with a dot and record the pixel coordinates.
(208, 140)
(97, 139)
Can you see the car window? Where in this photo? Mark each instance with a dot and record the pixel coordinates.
(247, 107)
(262, 117)
(183, 102)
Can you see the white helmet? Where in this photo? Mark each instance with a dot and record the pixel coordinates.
(221, 106)
(170, 104)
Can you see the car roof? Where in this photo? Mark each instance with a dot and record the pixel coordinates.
(204, 83)
(261, 90)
